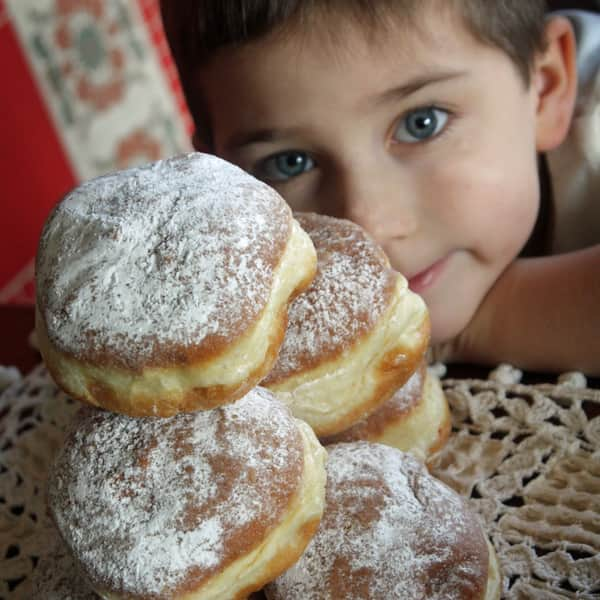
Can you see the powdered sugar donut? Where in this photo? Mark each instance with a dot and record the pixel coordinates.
(204, 505)
(165, 288)
(415, 419)
(390, 530)
(354, 336)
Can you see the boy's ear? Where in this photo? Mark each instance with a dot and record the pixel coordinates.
(555, 82)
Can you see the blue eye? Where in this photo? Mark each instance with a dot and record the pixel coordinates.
(285, 165)
(420, 125)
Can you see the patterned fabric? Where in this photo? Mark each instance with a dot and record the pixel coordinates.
(91, 88)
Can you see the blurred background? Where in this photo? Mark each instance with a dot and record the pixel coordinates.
(88, 87)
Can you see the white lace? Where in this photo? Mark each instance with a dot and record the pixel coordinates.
(528, 457)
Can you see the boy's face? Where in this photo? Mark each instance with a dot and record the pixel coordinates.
(426, 139)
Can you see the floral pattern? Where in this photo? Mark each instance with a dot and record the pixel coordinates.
(98, 79)
(90, 54)
(102, 78)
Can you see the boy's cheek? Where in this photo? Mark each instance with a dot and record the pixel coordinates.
(488, 189)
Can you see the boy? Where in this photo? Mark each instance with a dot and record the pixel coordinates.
(422, 121)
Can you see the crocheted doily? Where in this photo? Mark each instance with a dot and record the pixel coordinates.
(527, 457)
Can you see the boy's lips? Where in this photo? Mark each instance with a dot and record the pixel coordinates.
(425, 279)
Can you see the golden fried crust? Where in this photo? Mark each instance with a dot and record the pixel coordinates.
(165, 288)
(337, 394)
(160, 264)
(96, 392)
(401, 404)
(415, 419)
(353, 287)
(205, 505)
(287, 555)
(390, 530)
(388, 375)
(354, 337)
(167, 391)
(403, 401)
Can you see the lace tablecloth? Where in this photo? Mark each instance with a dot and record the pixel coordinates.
(527, 457)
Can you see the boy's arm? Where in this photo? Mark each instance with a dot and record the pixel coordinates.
(543, 314)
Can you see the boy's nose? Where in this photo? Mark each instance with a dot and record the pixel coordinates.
(375, 204)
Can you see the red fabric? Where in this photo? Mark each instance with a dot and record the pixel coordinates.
(34, 170)
(151, 13)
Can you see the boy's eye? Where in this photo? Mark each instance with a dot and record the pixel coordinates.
(284, 165)
(420, 125)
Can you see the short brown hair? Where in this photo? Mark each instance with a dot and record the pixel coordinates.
(198, 29)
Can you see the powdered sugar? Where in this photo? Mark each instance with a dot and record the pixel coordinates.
(406, 397)
(148, 505)
(390, 530)
(374, 424)
(350, 292)
(175, 253)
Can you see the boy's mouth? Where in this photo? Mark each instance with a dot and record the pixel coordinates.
(419, 282)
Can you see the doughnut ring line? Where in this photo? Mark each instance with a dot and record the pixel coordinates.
(165, 288)
(415, 419)
(354, 336)
(204, 505)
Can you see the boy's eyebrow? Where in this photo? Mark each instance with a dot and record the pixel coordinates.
(412, 86)
(393, 94)
(255, 136)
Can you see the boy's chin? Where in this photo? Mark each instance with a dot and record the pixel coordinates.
(446, 327)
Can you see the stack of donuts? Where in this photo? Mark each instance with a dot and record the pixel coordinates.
(258, 413)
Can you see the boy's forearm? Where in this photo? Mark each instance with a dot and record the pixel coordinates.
(543, 314)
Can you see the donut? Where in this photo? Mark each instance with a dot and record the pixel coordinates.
(203, 505)
(415, 419)
(390, 530)
(354, 336)
(165, 288)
